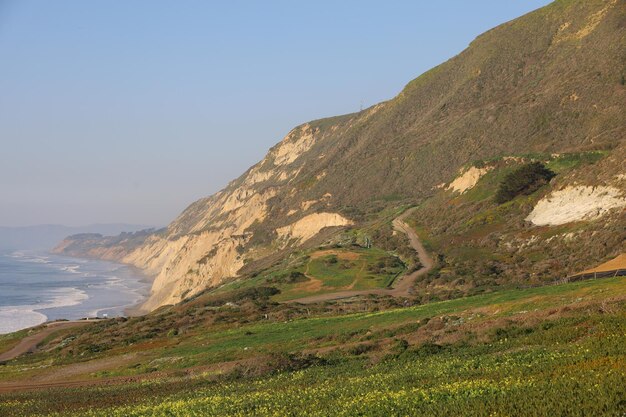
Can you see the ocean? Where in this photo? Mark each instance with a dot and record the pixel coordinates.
(36, 287)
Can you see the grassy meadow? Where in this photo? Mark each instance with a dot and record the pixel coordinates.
(325, 271)
(554, 350)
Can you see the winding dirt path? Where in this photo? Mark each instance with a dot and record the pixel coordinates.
(401, 287)
(29, 343)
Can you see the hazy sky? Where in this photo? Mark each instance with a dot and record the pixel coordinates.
(128, 111)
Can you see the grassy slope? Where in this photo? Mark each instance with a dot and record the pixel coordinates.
(481, 245)
(547, 350)
(8, 341)
(355, 268)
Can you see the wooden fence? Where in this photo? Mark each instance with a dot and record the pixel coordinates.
(594, 275)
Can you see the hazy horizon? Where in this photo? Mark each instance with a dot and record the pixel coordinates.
(41, 225)
(128, 112)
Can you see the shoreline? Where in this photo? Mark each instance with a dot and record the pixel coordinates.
(135, 310)
(132, 310)
(70, 288)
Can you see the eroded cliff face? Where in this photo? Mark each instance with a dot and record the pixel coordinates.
(576, 203)
(209, 241)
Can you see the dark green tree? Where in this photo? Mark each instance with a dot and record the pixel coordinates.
(523, 181)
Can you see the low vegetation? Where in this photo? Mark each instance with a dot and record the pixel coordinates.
(330, 268)
(544, 351)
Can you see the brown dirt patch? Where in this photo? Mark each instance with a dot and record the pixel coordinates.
(312, 285)
(612, 265)
(30, 342)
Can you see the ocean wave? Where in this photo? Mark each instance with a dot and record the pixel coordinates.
(118, 284)
(13, 318)
(115, 280)
(22, 257)
(72, 269)
(37, 260)
(64, 297)
(110, 288)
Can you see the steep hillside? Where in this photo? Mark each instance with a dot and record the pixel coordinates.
(561, 228)
(553, 81)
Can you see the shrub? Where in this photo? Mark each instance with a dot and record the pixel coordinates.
(361, 349)
(236, 296)
(296, 276)
(289, 362)
(288, 278)
(523, 181)
(331, 260)
(399, 346)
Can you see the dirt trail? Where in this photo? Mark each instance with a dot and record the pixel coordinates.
(29, 343)
(215, 369)
(401, 286)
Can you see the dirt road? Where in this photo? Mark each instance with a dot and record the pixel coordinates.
(401, 286)
(60, 379)
(29, 343)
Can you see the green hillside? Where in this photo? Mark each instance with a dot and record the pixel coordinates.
(481, 245)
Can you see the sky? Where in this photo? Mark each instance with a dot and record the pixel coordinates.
(128, 111)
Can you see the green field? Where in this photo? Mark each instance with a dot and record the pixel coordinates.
(328, 270)
(555, 350)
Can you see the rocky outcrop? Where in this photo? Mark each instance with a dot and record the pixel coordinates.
(209, 241)
(309, 226)
(467, 179)
(575, 203)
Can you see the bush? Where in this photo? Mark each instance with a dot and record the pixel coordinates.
(236, 296)
(525, 180)
(296, 276)
(288, 278)
(361, 349)
(290, 362)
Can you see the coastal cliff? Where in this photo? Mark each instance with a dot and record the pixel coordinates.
(505, 95)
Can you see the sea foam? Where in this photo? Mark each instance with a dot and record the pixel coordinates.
(14, 318)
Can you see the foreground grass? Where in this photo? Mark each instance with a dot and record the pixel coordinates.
(570, 366)
(555, 350)
(301, 334)
(234, 342)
